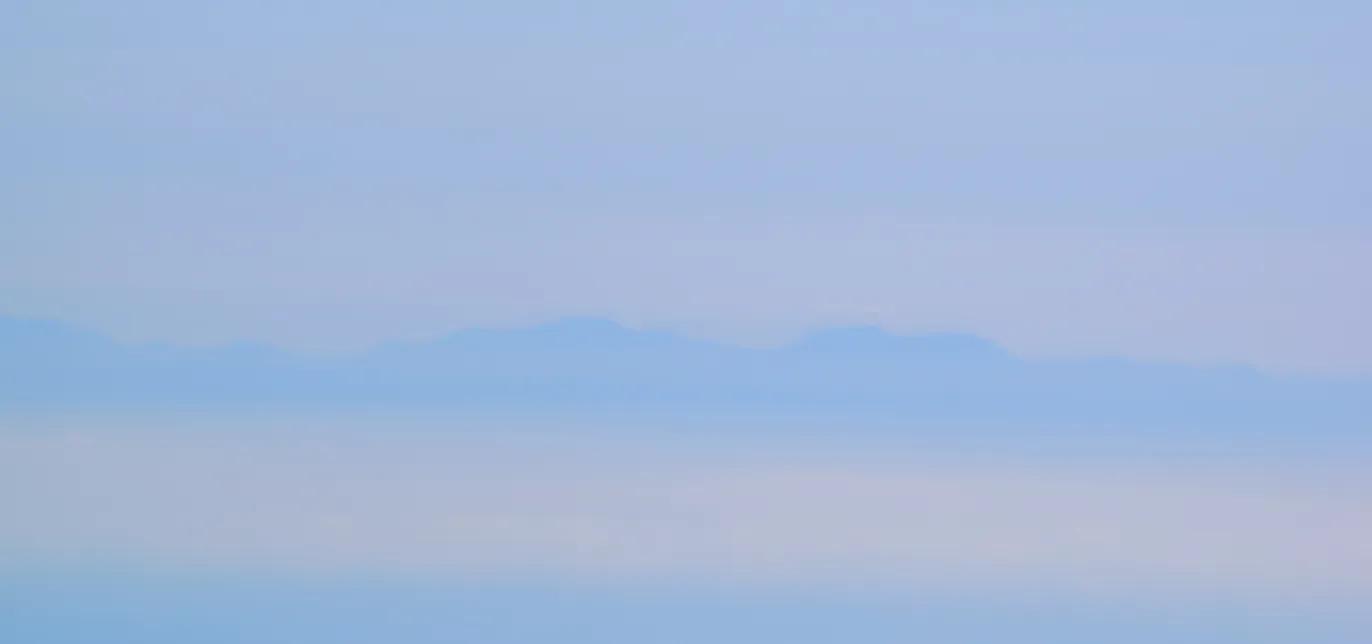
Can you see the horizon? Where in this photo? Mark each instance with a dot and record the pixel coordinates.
(796, 341)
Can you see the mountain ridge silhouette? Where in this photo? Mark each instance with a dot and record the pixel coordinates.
(576, 364)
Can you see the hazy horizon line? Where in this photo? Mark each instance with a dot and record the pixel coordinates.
(606, 321)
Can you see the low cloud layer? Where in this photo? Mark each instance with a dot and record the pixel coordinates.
(445, 509)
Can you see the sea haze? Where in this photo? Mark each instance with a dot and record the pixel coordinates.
(855, 481)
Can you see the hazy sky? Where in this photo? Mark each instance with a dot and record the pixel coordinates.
(1170, 180)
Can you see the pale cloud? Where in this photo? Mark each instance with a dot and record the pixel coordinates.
(455, 510)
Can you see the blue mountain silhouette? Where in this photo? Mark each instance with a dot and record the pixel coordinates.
(588, 364)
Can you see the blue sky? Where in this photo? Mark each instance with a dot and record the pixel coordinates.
(1180, 182)
(1170, 181)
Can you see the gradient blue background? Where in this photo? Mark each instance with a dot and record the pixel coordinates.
(1160, 212)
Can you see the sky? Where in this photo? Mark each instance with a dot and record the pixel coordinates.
(1169, 182)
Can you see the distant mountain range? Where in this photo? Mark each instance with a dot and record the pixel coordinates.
(588, 365)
